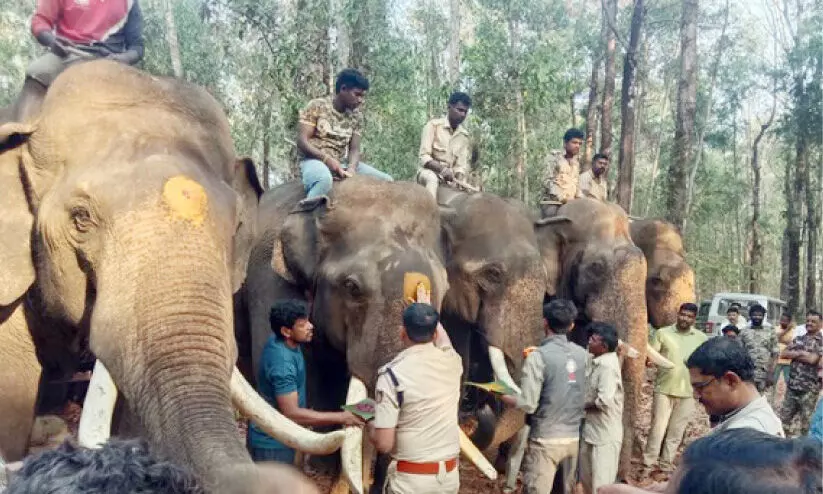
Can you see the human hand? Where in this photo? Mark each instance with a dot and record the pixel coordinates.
(509, 400)
(423, 296)
(447, 174)
(348, 419)
(335, 167)
(58, 47)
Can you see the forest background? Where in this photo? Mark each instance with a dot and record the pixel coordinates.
(710, 110)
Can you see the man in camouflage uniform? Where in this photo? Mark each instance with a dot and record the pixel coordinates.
(804, 384)
(560, 178)
(761, 342)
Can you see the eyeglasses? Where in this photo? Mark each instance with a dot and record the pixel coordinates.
(699, 386)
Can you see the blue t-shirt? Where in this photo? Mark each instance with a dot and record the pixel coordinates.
(282, 371)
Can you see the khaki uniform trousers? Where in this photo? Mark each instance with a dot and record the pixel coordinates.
(670, 417)
(429, 180)
(598, 465)
(413, 483)
(541, 462)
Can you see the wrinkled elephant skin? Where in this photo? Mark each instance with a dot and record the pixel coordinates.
(592, 261)
(128, 187)
(670, 280)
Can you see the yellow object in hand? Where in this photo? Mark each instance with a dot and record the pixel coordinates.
(413, 283)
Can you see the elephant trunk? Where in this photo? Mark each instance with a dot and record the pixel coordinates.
(162, 325)
(621, 302)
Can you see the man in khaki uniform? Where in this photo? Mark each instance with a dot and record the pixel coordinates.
(594, 183)
(418, 394)
(673, 403)
(603, 427)
(445, 147)
(560, 178)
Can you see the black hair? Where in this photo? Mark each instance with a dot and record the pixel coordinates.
(600, 156)
(730, 328)
(757, 308)
(717, 356)
(420, 321)
(733, 308)
(118, 466)
(688, 307)
(573, 134)
(460, 97)
(787, 314)
(352, 79)
(560, 315)
(607, 333)
(748, 460)
(284, 313)
(812, 312)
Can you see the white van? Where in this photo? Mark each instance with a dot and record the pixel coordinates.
(722, 301)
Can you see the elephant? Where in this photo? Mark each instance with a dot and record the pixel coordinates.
(590, 259)
(670, 279)
(492, 310)
(127, 222)
(347, 257)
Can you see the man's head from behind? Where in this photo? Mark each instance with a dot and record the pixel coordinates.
(722, 374)
(572, 140)
(125, 467)
(731, 331)
(350, 88)
(747, 461)
(420, 323)
(756, 314)
(289, 320)
(559, 316)
(459, 105)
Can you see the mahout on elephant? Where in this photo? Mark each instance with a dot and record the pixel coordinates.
(126, 220)
(670, 280)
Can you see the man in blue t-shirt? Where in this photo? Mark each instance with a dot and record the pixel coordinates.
(281, 380)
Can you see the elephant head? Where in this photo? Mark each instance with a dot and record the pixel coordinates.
(124, 201)
(496, 286)
(670, 280)
(592, 261)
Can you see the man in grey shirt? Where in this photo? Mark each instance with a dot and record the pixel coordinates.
(722, 377)
(553, 394)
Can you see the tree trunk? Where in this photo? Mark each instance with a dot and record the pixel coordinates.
(520, 137)
(171, 38)
(572, 110)
(813, 214)
(683, 152)
(794, 222)
(591, 113)
(454, 43)
(658, 146)
(784, 245)
(266, 146)
(755, 243)
(343, 37)
(628, 94)
(610, 11)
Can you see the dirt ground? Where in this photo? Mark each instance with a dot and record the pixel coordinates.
(471, 480)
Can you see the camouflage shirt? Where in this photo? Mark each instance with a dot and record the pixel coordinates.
(803, 377)
(560, 178)
(761, 343)
(332, 130)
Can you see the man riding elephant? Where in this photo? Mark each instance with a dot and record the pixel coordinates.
(77, 30)
(444, 146)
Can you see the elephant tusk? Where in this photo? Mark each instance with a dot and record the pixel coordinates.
(98, 408)
(474, 455)
(657, 359)
(352, 451)
(252, 405)
(501, 372)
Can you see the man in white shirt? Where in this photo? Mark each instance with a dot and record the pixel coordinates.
(722, 377)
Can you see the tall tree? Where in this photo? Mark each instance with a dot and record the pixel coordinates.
(591, 111)
(628, 94)
(683, 153)
(609, 13)
(814, 128)
(172, 39)
(454, 42)
(755, 243)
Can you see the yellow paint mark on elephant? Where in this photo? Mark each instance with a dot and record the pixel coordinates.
(186, 199)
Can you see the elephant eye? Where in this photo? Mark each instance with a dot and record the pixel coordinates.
(352, 287)
(81, 218)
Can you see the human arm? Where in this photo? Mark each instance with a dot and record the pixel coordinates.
(133, 31)
(383, 429)
(382, 438)
(463, 151)
(42, 26)
(306, 128)
(289, 406)
(441, 338)
(531, 383)
(354, 151)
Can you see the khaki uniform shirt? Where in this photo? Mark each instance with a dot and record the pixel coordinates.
(604, 389)
(440, 142)
(757, 415)
(591, 186)
(426, 422)
(332, 130)
(677, 347)
(560, 178)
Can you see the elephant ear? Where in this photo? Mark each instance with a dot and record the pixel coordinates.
(247, 186)
(295, 249)
(16, 220)
(551, 235)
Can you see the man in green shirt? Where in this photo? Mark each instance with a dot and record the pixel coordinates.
(673, 403)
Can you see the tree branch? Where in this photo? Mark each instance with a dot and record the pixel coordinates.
(611, 23)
